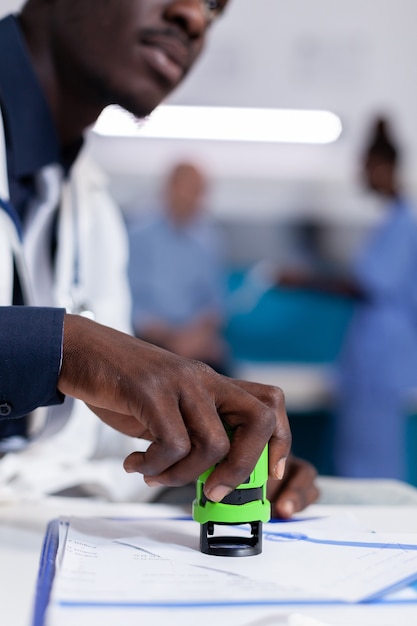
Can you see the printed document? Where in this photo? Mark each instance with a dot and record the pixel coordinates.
(148, 563)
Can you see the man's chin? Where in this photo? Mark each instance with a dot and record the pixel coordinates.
(144, 99)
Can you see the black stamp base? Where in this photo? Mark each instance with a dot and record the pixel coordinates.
(231, 545)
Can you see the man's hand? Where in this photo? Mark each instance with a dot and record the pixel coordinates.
(296, 491)
(177, 404)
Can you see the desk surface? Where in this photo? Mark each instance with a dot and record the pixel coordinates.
(22, 527)
(307, 386)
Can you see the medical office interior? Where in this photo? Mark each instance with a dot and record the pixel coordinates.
(295, 200)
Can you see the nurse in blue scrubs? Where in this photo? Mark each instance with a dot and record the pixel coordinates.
(378, 364)
(377, 367)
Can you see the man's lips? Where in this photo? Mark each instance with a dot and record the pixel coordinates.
(168, 56)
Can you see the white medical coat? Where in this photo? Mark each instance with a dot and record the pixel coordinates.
(91, 236)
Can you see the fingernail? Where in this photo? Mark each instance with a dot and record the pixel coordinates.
(288, 507)
(129, 469)
(280, 469)
(151, 482)
(216, 494)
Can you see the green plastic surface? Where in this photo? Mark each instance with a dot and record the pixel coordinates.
(218, 512)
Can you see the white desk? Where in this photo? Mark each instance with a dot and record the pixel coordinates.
(307, 386)
(21, 533)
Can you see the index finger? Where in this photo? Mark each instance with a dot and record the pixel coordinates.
(281, 440)
(256, 416)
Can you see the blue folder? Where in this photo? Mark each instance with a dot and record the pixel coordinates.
(46, 572)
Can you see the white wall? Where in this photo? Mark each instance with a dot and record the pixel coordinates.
(9, 6)
(354, 57)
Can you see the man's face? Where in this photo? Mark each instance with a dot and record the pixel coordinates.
(185, 191)
(128, 52)
(378, 174)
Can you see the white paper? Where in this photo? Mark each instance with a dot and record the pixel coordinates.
(157, 563)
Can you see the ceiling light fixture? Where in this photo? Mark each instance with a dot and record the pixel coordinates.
(223, 124)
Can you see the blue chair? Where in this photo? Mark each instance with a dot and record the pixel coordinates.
(290, 326)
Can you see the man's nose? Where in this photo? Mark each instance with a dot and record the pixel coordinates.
(191, 15)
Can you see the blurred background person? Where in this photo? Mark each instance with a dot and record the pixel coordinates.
(378, 361)
(378, 364)
(176, 272)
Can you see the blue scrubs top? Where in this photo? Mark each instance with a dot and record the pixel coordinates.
(176, 273)
(378, 363)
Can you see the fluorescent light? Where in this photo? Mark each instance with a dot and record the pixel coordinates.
(223, 123)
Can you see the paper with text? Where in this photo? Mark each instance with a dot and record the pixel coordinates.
(157, 562)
